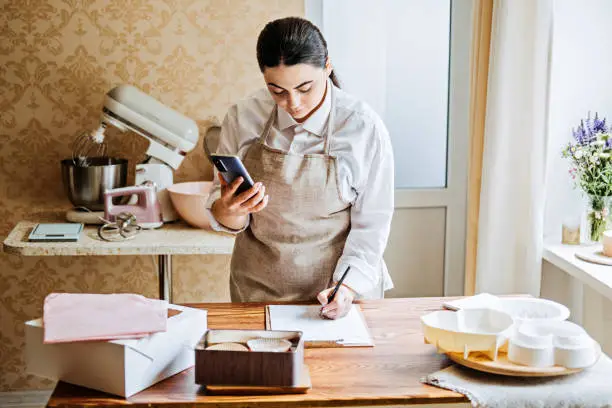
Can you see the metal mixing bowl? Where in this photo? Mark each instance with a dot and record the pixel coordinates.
(85, 185)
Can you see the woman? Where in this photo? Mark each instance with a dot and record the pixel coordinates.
(323, 164)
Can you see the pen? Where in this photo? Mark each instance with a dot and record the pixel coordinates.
(333, 293)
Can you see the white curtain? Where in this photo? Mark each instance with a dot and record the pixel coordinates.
(510, 233)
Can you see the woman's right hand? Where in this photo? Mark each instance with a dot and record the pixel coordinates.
(232, 209)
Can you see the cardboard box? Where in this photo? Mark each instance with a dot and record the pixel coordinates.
(249, 368)
(120, 367)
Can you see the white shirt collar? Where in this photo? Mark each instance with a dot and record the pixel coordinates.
(315, 124)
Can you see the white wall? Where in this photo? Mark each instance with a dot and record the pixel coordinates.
(581, 81)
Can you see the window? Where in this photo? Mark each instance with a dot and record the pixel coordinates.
(394, 54)
(409, 59)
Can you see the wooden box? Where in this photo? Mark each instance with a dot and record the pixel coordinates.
(249, 368)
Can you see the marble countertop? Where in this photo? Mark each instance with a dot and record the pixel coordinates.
(171, 239)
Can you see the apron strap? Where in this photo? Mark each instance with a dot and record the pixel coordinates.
(330, 118)
(269, 123)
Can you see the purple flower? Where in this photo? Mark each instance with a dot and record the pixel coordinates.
(589, 128)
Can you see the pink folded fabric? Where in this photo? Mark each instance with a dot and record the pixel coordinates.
(70, 317)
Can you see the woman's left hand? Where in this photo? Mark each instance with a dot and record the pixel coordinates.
(341, 304)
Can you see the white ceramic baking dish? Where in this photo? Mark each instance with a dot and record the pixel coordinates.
(546, 344)
(467, 330)
(525, 310)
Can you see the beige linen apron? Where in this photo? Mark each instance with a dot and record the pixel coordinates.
(290, 249)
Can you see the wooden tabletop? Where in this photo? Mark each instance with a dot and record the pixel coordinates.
(172, 239)
(387, 374)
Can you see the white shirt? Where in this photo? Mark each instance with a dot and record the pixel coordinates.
(361, 145)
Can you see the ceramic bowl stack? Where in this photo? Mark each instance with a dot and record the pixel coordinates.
(511, 336)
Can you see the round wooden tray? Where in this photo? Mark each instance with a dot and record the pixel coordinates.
(481, 362)
(594, 255)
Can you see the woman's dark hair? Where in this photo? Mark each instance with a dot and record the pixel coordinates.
(291, 41)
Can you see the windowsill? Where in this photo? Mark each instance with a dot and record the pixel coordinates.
(598, 277)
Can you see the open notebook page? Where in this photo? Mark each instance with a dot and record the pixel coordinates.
(350, 330)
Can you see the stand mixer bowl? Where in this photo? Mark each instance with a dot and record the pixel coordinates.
(85, 185)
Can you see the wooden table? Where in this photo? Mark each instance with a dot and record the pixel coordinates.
(172, 239)
(387, 374)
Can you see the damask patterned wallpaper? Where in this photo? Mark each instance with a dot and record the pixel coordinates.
(57, 60)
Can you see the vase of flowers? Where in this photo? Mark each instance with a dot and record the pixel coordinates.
(591, 171)
(597, 215)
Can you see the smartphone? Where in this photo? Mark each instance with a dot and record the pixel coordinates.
(231, 168)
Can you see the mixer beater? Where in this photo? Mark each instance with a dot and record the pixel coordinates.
(88, 145)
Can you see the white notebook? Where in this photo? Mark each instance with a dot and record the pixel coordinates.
(349, 331)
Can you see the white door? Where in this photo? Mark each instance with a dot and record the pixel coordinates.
(409, 59)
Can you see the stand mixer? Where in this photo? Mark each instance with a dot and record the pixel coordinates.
(171, 136)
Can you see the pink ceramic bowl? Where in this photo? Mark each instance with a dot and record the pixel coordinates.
(189, 201)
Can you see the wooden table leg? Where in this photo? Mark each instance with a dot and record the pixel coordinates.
(164, 270)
